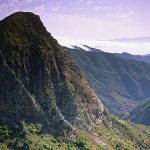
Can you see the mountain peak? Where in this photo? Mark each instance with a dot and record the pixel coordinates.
(20, 22)
(22, 13)
(39, 82)
(20, 16)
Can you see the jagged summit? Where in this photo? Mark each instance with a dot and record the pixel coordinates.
(21, 14)
(39, 82)
(20, 19)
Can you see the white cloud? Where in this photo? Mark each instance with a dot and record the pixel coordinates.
(78, 26)
(119, 47)
(89, 2)
(85, 1)
(97, 8)
(56, 7)
(70, 42)
(81, 1)
(141, 48)
(18, 2)
(10, 6)
(84, 27)
(122, 15)
(118, 12)
(30, 1)
(122, 12)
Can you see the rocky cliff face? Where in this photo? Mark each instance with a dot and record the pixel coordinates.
(39, 82)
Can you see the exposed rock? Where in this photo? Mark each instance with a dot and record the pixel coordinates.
(39, 82)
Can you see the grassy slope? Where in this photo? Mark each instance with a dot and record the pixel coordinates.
(119, 82)
(113, 133)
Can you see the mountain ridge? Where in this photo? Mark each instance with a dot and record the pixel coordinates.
(140, 58)
(121, 83)
(39, 82)
(138, 39)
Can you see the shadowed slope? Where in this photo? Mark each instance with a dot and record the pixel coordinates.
(39, 82)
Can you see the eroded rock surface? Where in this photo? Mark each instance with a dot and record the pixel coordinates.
(39, 82)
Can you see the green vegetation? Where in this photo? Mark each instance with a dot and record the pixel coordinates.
(118, 146)
(141, 113)
(14, 136)
(120, 83)
(81, 144)
(113, 133)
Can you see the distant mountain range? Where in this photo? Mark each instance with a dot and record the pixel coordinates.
(142, 58)
(138, 46)
(121, 83)
(139, 39)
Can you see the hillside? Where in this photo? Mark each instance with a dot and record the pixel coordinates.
(46, 103)
(39, 83)
(112, 134)
(120, 83)
(141, 113)
(141, 58)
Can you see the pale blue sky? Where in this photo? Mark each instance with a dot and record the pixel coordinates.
(87, 19)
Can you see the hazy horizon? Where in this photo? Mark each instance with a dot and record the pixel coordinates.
(111, 46)
(90, 20)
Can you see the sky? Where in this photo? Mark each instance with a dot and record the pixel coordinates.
(90, 20)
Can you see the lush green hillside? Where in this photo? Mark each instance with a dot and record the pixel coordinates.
(112, 134)
(141, 113)
(121, 83)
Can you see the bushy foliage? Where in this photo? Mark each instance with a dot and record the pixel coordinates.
(14, 135)
(81, 144)
(118, 146)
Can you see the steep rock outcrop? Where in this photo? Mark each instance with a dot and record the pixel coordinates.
(39, 82)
